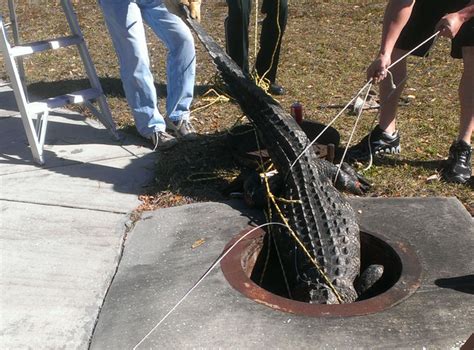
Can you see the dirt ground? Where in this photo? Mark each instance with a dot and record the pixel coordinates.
(326, 49)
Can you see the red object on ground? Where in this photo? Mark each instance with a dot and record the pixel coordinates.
(297, 112)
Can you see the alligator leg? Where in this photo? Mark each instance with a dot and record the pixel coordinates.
(368, 278)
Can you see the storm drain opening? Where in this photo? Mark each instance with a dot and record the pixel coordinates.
(254, 269)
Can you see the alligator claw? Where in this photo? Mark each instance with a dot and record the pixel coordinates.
(350, 180)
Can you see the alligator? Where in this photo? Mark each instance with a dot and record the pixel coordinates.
(318, 213)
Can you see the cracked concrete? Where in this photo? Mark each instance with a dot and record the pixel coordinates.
(62, 225)
(62, 234)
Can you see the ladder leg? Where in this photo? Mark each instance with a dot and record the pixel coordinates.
(20, 96)
(41, 123)
(16, 40)
(106, 116)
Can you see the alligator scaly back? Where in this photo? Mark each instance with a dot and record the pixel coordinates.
(320, 215)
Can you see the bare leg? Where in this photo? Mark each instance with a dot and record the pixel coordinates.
(466, 96)
(388, 97)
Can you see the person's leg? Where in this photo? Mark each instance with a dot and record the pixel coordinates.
(389, 97)
(237, 32)
(384, 138)
(466, 96)
(181, 59)
(458, 166)
(273, 27)
(125, 25)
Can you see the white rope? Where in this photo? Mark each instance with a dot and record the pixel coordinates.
(332, 121)
(222, 256)
(395, 87)
(412, 50)
(353, 131)
(369, 82)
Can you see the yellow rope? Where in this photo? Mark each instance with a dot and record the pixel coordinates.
(256, 30)
(202, 176)
(260, 80)
(218, 98)
(271, 198)
(288, 201)
(296, 238)
(268, 214)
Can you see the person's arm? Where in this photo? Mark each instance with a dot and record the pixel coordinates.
(396, 17)
(450, 24)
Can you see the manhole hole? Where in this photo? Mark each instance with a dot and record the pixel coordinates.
(401, 276)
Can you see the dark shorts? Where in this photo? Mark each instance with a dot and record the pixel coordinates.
(422, 23)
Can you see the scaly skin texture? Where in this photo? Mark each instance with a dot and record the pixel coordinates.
(323, 220)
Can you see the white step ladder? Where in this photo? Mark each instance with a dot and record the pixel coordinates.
(35, 115)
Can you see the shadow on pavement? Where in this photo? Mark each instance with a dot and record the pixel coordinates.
(78, 150)
(464, 284)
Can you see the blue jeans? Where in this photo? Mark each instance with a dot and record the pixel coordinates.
(124, 19)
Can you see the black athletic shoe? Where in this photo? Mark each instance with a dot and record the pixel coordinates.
(458, 166)
(377, 142)
(276, 89)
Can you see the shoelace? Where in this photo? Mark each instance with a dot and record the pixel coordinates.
(157, 140)
(462, 155)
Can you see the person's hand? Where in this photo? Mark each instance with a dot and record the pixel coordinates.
(378, 68)
(449, 25)
(194, 8)
(193, 5)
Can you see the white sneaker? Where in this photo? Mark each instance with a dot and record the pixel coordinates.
(162, 140)
(182, 128)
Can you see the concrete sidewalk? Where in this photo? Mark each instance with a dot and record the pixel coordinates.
(160, 265)
(62, 225)
(62, 229)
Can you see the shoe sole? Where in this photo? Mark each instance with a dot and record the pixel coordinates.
(380, 153)
(166, 145)
(392, 150)
(173, 130)
(456, 180)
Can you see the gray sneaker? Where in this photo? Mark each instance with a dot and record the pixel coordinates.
(182, 128)
(162, 140)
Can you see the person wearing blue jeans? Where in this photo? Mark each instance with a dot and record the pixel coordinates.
(124, 20)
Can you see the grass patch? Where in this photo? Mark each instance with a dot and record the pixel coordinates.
(326, 49)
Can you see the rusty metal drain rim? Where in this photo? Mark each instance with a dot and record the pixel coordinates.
(407, 284)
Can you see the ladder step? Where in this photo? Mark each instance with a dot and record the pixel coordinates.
(52, 44)
(59, 101)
